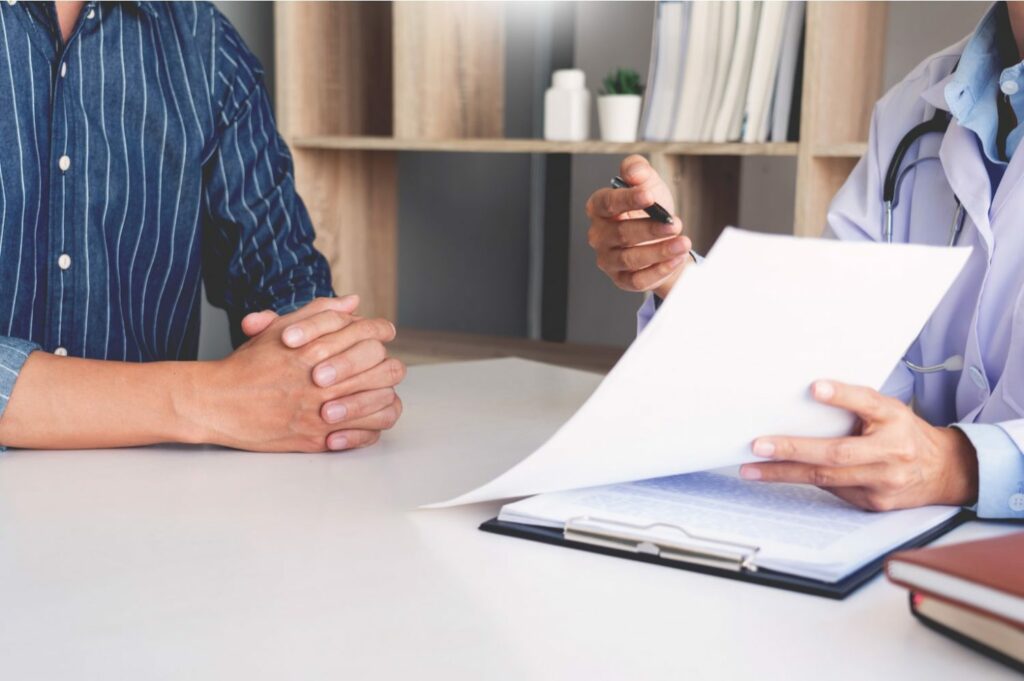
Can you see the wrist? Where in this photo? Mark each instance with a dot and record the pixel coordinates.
(192, 384)
(962, 478)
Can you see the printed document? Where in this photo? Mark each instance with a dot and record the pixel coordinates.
(796, 529)
(731, 354)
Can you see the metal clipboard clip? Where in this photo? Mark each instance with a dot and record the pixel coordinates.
(615, 534)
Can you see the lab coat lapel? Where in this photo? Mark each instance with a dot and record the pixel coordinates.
(967, 176)
(1009, 186)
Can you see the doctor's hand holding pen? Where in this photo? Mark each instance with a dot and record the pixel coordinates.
(638, 252)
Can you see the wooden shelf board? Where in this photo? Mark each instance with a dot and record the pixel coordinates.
(418, 346)
(534, 146)
(844, 150)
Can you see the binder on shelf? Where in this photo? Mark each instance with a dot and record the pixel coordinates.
(724, 72)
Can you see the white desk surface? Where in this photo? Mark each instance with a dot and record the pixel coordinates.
(184, 563)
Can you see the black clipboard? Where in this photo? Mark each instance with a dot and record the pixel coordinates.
(780, 580)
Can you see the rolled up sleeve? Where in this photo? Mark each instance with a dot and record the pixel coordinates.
(13, 354)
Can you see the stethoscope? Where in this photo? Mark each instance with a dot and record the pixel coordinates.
(890, 199)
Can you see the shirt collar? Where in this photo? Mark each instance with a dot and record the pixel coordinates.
(977, 73)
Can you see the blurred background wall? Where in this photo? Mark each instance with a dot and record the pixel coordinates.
(465, 260)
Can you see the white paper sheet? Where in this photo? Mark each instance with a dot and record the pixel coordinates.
(798, 529)
(731, 354)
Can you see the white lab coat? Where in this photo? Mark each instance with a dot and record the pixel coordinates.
(982, 316)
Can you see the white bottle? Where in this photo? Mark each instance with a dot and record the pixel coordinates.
(567, 107)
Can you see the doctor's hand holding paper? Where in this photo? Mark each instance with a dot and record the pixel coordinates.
(963, 442)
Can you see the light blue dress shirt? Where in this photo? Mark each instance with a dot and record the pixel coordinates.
(990, 69)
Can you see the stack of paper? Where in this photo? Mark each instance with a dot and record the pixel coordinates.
(731, 354)
(795, 529)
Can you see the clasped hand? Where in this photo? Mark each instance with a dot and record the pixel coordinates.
(317, 379)
(895, 459)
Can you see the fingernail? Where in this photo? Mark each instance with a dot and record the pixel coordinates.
(823, 390)
(324, 376)
(762, 448)
(677, 247)
(635, 167)
(665, 228)
(337, 442)
(750, 473)
(293, 336)
(336, 412)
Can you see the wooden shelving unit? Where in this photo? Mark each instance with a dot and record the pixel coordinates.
(360, 81)
(533, 146)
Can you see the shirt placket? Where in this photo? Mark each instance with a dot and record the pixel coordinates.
(67, 181)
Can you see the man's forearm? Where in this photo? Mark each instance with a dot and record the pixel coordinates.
(70, 403)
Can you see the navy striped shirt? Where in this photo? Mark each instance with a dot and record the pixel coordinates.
(137, 161)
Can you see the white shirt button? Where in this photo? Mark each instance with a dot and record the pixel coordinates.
(1017, 502)
(61, 352)
(63, 69)
(64, 163)
(91, 14)
(64, 261)
(978, 378)
(12, 3)
(1009, 87)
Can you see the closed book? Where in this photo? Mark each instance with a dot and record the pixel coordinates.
(762, 74)
(990, 636)
(726, 39)
(665, 75)
(968, 586)
(701, 52)
(782, 101)
(729, 117)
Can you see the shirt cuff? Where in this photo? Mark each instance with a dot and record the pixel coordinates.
(645, 314)
(13, 353)
(1000, 471)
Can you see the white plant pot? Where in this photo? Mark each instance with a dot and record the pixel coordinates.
(619, 116)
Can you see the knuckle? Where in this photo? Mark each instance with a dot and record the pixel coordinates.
(315, 353)
(593, 238)
(343, 365)
(822, 477)
(636, 281)
(395, 371)
(879, 502)
(839, 454)
(896, 479)
(622, 231)
(390, 418)
(313, 443)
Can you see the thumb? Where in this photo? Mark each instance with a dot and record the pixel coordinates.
(255, 323)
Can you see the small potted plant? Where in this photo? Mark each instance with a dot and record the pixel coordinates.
(618, 105)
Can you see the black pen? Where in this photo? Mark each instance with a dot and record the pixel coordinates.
(655, 210)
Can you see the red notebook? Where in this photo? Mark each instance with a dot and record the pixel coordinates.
(973, 592)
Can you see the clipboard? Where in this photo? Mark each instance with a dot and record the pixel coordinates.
(729, 560)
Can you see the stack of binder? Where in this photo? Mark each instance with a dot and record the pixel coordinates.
(725, 71)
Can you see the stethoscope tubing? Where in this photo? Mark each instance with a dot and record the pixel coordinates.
(894, 175)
